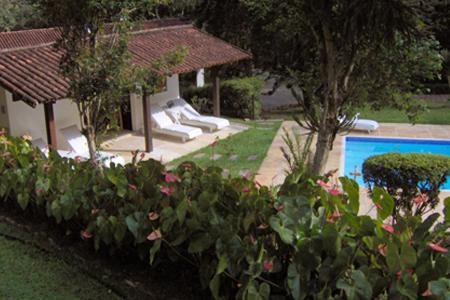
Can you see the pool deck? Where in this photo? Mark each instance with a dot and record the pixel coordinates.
(272, 171)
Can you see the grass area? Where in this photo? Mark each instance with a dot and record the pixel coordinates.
(250, 147)
(27, 272)
(438, 113)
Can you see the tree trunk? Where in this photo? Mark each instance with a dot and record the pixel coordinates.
(324, 140)
(90, 136)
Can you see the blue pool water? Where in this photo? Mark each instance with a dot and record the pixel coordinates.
(358, 149)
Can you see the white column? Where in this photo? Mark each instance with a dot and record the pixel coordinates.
(201, 78)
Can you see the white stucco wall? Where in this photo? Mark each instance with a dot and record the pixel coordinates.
(4, 120)
(172, 92)
(23, 119)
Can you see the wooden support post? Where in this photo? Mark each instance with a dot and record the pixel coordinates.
(50, 125)
(216, 96)
(147, 122)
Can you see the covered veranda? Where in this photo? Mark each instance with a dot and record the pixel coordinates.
(29, 72)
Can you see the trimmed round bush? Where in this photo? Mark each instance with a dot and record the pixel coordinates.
(414, 179)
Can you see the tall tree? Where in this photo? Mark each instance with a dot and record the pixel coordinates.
(20, 14)
(96, 61)
(341, 54)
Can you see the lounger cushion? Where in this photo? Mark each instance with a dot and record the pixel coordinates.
(160, 118)
(183, 131)
(363, 124)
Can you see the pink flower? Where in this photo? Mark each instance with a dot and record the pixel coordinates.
(39, 191)
(382, 249)
(246, 190)
(132, 187)
(268, 265)
(323, 184)
(280, 207)
(170, 177)
(77, 159)
(85, 234)
(437, 248)
(142, 155)
(155, 235)
(153, 216)
(420, 199)
(168, 191)
(427, 293)
(388, 228)
(334, 192)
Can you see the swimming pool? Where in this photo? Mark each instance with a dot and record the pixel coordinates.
(358, 149)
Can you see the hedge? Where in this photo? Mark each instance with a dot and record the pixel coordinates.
(415, 179)
(244, 240)
(239, 97)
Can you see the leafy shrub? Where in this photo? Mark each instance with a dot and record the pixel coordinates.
(239, 97)
(413, 179)
(245, 241)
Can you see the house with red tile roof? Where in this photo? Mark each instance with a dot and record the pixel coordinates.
(33, 93)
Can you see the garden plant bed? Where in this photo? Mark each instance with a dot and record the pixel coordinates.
(39, 261)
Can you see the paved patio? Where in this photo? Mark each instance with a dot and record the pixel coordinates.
(166, 148)
(273, 168)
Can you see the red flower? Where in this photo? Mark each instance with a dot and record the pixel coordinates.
(388, 228)
(323, 184)
(427, 293)
(39, 191)
(85, 234)
(268, 265)
(334, 192)
(155, 235)
(132, 187)
(246, 190)
(142, 155)
(170, 177)
(153, 216)
(280, 207)
(382, 249)
(437, 248)
(378, 205)
(168, 191)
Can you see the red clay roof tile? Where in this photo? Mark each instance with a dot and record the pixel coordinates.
(29, 62)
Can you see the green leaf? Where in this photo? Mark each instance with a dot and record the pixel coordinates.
(393, 258)
(119, 232)
(441, 288)
(154, 249)
(408, 256)
(214, 287)
(132, 225)
(351, 188)
(181, 211)
(56, 211)
(264, 291)
(200, 243)
(23, 199)
(447, 209)
(294, 282)
(222, 265)
(358, 287)
(385, 202)
(424, 228)
(285, 234)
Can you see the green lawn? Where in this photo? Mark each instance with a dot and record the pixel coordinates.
(437, 113)
(29, 273)
(250, 147)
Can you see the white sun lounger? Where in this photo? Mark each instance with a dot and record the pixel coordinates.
(163, 124)
(79, 145)
(363, 124)
(43, 147)
(186, 114)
